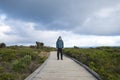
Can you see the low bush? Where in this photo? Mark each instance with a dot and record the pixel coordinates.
(103, 60)
(1, 69)
(7, 55)
(17, 62)
(22, 64)
(7, 76)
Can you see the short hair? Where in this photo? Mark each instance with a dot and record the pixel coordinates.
(59, 36)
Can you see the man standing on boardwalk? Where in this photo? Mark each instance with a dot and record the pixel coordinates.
(59, 46)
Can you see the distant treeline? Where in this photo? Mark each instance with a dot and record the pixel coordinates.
(37, 45)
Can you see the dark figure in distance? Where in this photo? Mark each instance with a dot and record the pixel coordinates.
(59, 46)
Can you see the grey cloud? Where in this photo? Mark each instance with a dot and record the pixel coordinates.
(63, 14)
(37, 10)
(107, 25)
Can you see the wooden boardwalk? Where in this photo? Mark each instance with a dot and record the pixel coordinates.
(65, 69)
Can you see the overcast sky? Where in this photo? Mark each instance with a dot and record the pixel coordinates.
(79, 22)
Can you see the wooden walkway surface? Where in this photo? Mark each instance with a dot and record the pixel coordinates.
(66, 69)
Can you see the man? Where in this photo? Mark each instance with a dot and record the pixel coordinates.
(59, 46)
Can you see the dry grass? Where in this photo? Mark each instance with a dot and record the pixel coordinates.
(44, 54)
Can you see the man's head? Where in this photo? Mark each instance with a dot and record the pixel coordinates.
(60, 38)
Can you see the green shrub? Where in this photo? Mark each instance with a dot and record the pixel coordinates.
(20, 61)
(26, 59)
(7, 55)
(2, 45)
(7, 76)
(1, 69)
(20, 65)
(103, 60)
(41, 59)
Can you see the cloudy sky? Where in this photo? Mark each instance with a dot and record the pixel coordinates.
(79, 22)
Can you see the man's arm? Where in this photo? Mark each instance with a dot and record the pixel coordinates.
(56, 44)
(62, 44)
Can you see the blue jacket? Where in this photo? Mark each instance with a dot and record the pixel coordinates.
(59, 44)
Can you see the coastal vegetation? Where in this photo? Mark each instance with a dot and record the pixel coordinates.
(17, 62)
(103, 60)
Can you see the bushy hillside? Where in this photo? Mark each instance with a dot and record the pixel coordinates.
(16, 63)
(104, 60)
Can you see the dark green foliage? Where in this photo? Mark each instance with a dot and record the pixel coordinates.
(104, 60)
(17, 62)
(22, 64)
(26, 59)
(48, 49)
(2, 45)
(7, 55)
(1, 69)
(7, 76)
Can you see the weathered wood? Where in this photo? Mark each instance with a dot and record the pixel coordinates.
(65, 69)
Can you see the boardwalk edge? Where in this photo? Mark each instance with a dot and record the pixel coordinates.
(37, 71)
(86, 67)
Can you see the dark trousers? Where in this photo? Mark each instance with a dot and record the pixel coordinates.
(59, 51)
